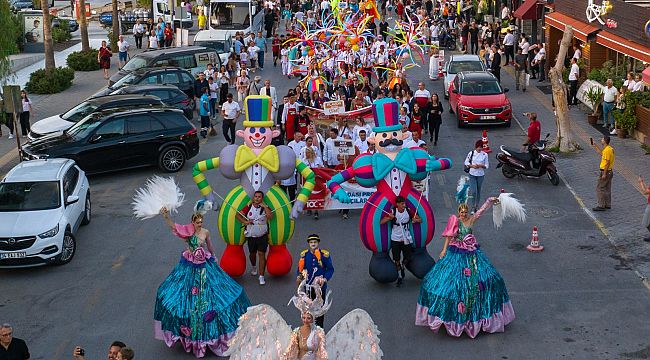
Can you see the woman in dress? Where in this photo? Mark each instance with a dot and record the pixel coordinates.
(198, 304)
(463, 291)
(104, 58)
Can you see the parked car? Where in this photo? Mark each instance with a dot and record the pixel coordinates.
(191, 58)
(73, 24)
(477, 98)
(20, 5)
(120, 139)
(42, 205)
(61, 122)
(458, 63)
(169, 94)
(178, 77)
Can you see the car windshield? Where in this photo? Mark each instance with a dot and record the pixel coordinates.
(230, 16)
(135, 63)
(480, 87)
(79, 112)
(457, 66)
(216, 45)
(83, 128)
(29, 196)
(127, 80)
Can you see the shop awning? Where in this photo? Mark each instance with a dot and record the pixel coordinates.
(623, 46)
(580, 30)
(527, 10)
(646, 75)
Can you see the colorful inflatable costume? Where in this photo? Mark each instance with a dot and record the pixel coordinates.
(391, 169)
(258, 165)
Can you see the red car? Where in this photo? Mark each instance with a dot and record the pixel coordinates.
(477, 98)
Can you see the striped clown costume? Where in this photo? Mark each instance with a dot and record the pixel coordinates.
(391, 169)
(257, 165)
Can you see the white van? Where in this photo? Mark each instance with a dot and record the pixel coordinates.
(217, 41)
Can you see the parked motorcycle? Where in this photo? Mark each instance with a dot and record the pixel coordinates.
(535, 163)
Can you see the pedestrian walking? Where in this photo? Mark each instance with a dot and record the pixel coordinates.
(509, 47)
(153, 40)
(204, 111)
(645, 190)
(315, 266)
(242, 86)
(260, 43)
(104, 58)
(604, 185)
(230, 111)
(610, 98)
(223, 79)
(435, 119)
(123, 51)
(270, 91)
(256, 216)
(401, 242)
(521, 70)
(574, 73)
(12, 348)
(476, 163)
(25, 115)
(169, 35)
(138, 33)
(495, 66)
(214, 95)
(113, 351)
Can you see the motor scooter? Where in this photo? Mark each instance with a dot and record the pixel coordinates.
(535, 163)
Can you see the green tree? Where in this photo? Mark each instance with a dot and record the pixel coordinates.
(8, 44)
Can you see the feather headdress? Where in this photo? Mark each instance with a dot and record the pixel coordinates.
(461, 189)
(303, 302)
(158, 192)
(508, 207)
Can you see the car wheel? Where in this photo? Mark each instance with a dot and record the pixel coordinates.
(68, 249)
(87, 211)
(553, 177)
(508, 172)
(461, 124)
(171, 159)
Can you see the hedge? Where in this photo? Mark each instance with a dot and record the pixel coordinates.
(83, 60)
(59, 79)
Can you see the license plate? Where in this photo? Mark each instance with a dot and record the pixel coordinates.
(488, 117)
(13, 255)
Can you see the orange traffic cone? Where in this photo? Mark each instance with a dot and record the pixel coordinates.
(534, 242)
(486, 145)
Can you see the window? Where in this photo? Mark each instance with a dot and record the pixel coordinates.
(234, 16)
(29, 196)
(172, 120)
(79, 112)
(169, 78)
(151, 79)
(162, 94)
(183, 61)
(135, 63)
(480, 87)
(156, 125)
(111, 130)
(186, 78)
(139, 124)
(163, 62)
(70, 181)
(457, 66)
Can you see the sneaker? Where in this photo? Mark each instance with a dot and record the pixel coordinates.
(613, 132)
(262, 281)
(254, 271)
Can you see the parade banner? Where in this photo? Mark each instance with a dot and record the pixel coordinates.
(344, 147)
(320, 198)
(320, 117)
(334, 107)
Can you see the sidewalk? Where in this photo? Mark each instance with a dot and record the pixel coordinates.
(622, 224)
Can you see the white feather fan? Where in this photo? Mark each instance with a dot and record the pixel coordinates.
(508, 207)
(158, 192)
(262, 334)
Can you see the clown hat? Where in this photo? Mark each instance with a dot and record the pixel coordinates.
(258, 111)
(386, 114)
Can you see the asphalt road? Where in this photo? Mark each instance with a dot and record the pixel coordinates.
(575, 300)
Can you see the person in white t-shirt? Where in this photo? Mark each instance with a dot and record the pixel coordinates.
(361, 125)
(574, 73)
(639, 85)
(577, 54)
(400, 239)
(361, 143)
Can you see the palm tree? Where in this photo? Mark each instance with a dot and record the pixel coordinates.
(47, 36)
(83, 26)
(116, 27)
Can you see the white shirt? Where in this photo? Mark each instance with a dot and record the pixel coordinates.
(422, 93)
(230, 109)
(361, 145)
(610, 94)
(358, 128)
(299, 15)
(26, 105)
(638, 86)
(329, 154)
(509, 39)
(138, 29)
(575, 72)
(214, 89)
(524, 46)
(412, 143)
(316, 149)
(297, 147)
(577, 54)
(123, 46)
(629, 84)
(257, 216)
(479, 158)
(401, 227)
(505, 12)
(325, 5)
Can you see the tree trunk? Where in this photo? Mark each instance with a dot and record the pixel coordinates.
(47, 37)
(564, 139)
(83, 26)
(116, 28)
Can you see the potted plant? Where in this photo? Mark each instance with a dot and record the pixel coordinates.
(625, 122)
(594, 96)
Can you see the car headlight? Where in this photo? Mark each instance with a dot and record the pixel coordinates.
(507, 107)
(50, 233)
(466, 108)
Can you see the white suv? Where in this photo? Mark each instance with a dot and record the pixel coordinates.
(42, 204)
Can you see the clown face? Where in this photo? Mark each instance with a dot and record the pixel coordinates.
(258, 137)
(388, 142)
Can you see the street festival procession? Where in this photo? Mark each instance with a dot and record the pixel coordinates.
(232, 154)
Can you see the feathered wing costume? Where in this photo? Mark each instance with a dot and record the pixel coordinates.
(463, 291)
(198, 304)
(263, 334)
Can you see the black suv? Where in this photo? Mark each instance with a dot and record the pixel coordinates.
(61, 122)
(169, 94)
(178, 77)
(121, 139)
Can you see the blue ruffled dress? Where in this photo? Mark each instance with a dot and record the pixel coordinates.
(198, 304)
(463, 291)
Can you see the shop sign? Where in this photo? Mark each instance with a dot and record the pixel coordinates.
(595, 12)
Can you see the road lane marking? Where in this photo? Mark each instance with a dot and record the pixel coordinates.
(118, 263)
(441, 179)
(447, 199)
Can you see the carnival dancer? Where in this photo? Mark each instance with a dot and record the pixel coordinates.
(256, 215)
(315, 267)
(391, 169)
(198, 304)
(463, 291)
(400, 238)
(257, 165)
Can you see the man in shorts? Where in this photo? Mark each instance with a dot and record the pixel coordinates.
(255, 217)
(401, 241)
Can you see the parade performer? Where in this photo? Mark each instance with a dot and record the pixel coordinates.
(264, 334)
(400, 239)
(257, 165)
(315, 266)
(391, 169)
(463, 291)
(198, 304)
